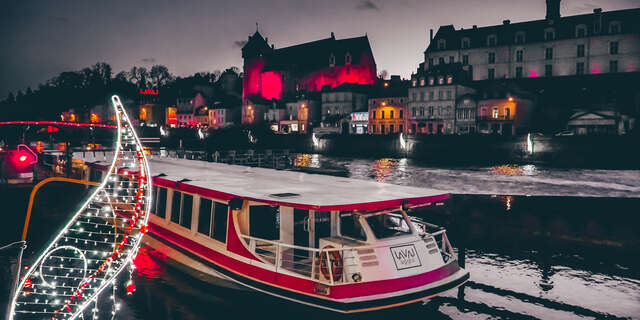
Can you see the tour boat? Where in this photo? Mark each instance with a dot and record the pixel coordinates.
(335, 243)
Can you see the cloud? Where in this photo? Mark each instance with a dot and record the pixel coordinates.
(367, 5)
(239, 43)
(149, 60)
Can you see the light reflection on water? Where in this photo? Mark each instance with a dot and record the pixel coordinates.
(531, 284)
(501, 179)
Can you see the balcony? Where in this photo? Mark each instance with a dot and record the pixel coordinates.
(501, 117)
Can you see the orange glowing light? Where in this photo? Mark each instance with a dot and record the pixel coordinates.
(94, 118)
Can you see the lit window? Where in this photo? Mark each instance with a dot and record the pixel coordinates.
(431, 81)
(495, 113)
(422, 82)
(414, 82)
(440, 80)
(449, 79)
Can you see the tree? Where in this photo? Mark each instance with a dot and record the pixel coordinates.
(11, 99)
(159, 76)
(139, 76)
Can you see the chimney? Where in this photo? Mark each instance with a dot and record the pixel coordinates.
(475, 26)
(597, 10)
(333, 36)
(506, 22)
(430, 35)
(553, 9)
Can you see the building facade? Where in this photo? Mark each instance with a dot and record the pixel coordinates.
(343, 100)
(466, 110)
(594, 43)
(502, 108)
(388, 107)
(275, 74)
(432, 98)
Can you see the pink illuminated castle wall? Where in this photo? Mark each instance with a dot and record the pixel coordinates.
(271, 73)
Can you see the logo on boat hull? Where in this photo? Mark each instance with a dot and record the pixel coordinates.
(405, 257)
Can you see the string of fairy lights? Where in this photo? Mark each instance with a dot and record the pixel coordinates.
(96, 245)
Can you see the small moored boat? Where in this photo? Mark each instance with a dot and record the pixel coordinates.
(339, 244)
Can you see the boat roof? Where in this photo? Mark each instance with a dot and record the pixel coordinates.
(281, 187)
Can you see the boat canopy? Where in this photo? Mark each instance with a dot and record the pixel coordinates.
(281, 187)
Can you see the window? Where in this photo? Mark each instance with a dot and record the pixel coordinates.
(347, 58)
(492, 40)
(431, 111)
(391, 128)
(332, 60)
(430, 62)
(451, 59)
(382, 129)
(549, 34)
(350, 226)
(387, 225)
(440, 80)
(518, 72)
(449, 79)
(187, 206)
(613, 66)
(448, 94)
(414, 82)
(400, 127)
(263, 222)
(220, 222)
(580, 50)
(422, 96)
(548, 53)
(401, 115)
(581, 31)
(548, 70)
(495, 113)
(431, 95)
(519, 55)
(492, 57)
(391, 114)
(466, 43)
(491, 73)
(431, 81)
(442, 44)
(204, 216)
(162, 202)
(614, 27)
(422, 111)
(414, 96)
(441, 60)
(422, 82)
(175, 207)
(440, 94)
(413, 112)
(596, 27)
(373, 114)
(382, 114)
(519, 37)
(613, 47)
(580, 68)
(465, 59)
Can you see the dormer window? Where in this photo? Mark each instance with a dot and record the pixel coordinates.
(332, 60)
(581, 31)
(347, 58)
(442, 44)
(422, 82)
(614, 27)
(519, 39)
(440, 80)
(492, 40)
(431, 81)
(549, 34)
(449, 79)
(414, 82)
(466, 43)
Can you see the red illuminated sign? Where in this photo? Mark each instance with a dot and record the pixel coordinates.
(149, 92)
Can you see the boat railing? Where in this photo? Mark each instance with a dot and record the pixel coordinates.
(430, 233)
(306, 262)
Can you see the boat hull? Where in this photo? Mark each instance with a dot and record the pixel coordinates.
(207, 271)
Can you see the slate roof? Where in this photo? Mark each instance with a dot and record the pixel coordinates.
(565, 28)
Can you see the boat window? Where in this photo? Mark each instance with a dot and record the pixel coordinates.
(220, 222)
(264, 222)
(185, 216)
(175, 207)
(204, 216)
(350, 226)
(162, 202)
(154, 198)
(386, 225)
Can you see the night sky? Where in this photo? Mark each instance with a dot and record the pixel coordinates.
(43, 38)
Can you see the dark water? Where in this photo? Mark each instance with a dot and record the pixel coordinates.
(544, 256)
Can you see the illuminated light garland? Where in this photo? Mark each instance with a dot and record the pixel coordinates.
(98, 242)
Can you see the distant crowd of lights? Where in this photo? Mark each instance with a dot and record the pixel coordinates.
(59, 123)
